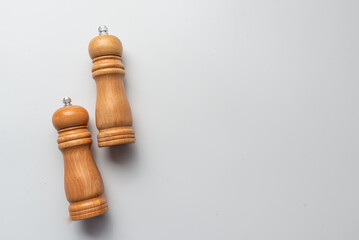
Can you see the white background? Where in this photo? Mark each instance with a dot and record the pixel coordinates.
(246, 117)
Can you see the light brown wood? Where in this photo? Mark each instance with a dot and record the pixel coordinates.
(83, 183)
(113, 112)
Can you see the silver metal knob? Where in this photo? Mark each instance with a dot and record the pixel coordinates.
(102, 30)
(66, 101)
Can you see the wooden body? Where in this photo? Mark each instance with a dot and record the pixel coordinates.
(113, 112)
(83, 183)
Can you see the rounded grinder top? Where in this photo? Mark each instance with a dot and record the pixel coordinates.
(104, 44)
(70, 116)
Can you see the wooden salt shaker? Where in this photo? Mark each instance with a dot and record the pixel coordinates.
(113, 112)
(83, 183)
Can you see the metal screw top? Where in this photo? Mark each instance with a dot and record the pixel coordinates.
(102, 30)
(66, 101)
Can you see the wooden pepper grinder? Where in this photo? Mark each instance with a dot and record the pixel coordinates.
(113, 112)
(83, 183)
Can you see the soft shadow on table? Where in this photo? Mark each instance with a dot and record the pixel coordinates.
(123, 154)
(96, 226)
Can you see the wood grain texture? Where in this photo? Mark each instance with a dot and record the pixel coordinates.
(83, 183)
(113, 112)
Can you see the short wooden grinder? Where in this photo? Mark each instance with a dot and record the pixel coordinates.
(113, 112)
(83, 183)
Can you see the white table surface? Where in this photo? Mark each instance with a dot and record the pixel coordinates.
(245, 112)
